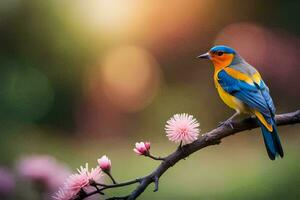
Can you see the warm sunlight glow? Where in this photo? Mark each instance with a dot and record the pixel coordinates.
(106, 16)
(129, 78)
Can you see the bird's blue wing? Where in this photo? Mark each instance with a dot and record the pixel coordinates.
(266, 94)
(255, 96)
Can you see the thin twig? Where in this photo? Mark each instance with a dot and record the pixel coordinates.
(111, 177)
(98, 190)
(104, 186)
(85, 195)
(155, 158)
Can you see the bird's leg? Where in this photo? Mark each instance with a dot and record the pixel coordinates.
(229, 121)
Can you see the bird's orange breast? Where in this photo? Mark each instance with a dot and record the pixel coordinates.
(221, 62)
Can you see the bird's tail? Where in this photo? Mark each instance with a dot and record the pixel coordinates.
(272, 141)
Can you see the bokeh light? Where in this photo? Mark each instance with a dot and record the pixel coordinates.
(27, 94)
(249, 39)
(129, 77)
(7, 182)
(123, 81)
(112, 18)
(272, 51)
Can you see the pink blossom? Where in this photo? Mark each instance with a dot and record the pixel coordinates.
(76, 182)
(63, 194)
(96, 174)
(79, 181)
(142, 148)
(7, 182)
(44, 170)
(182, 128)
(104, 163)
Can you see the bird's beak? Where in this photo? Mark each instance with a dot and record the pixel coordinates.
(204, 56)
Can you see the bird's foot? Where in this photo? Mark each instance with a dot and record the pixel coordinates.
(228, 123)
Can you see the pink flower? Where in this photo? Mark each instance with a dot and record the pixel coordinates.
(142, 148)
(95, 174)
(79, 181)
(63, 194)
(76, 182)
(7, 182)
(43, 169)
(104, 163)
(182, 128)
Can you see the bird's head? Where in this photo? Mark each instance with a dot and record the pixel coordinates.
(221, 56)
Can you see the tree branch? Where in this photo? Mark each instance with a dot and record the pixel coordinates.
(210, 138)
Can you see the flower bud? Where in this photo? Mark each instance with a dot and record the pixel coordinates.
(142, 148)
(104, 163)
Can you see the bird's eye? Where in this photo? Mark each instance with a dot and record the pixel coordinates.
(219, 53)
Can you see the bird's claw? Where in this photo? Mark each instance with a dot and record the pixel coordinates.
(227, 123)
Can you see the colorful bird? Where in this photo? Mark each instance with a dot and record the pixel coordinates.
(241, 87)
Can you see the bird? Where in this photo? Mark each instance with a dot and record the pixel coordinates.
(242, 88)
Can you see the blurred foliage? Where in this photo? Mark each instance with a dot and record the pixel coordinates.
(56, 97)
